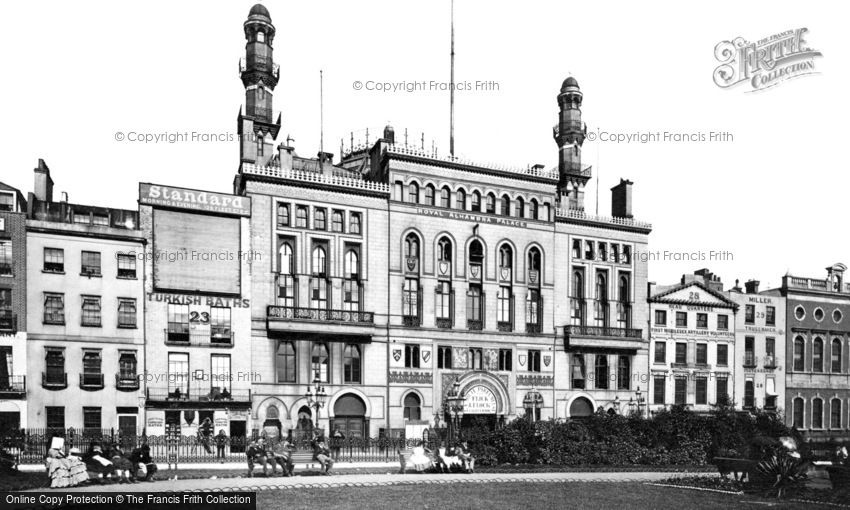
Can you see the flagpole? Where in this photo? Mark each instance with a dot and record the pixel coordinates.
(452, 88)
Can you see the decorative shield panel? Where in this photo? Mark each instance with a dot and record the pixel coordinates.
(444, 268)
(426, 355)
(505, 274)
(412, 264)
(522, 360)
(534, 277)
(475, 271)
(396, 354)
(547, 359)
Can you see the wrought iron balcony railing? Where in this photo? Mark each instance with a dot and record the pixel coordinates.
(13, 386)
(217, 338)
(91, 381)
(54, 381)
(205, 393)
(126, 382)
(294, 313)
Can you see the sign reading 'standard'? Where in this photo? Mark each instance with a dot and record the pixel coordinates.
(182, 198)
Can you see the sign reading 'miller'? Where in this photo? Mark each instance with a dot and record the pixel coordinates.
(182, 198)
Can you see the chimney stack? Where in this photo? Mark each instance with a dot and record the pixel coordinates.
(752, 286)
(621, 199)
(43, 185)
(389, 134)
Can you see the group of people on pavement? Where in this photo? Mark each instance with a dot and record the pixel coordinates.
(446, 459)
(100, 463)
(278, 452)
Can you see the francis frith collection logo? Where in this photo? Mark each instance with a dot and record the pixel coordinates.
(765, 63)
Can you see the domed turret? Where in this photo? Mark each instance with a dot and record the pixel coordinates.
(259, 10)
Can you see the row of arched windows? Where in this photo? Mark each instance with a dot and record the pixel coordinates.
(475, 201)
(817, 361)
(318, 261)
(476, 254)
(319, 278)
(814, 415)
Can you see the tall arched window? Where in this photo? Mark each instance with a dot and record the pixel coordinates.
(412, 407)
(445, 195)
(351, 283)
(799, 354)
(319, 261)
(578, 373)
(506, 205)
(623, 291)
(601, 372)
(817, 413)
(836, 355)
(491, 203)
(624, 372)
(286, 278)
(601, 304)
(411, 246)
(286, 362)
(320, 362)
(475, 294)
(429, 194)
(817, 355)
(506, 256)
(624, 307)
(835, 413)
(577, 302)
(261, 145)
(460, 201)
(476, 252)
(534, 266)
(351, 364)
(413, 193)
(799, 406)
(476, 201)
(533, 209)
(444, 250)
(519, 209)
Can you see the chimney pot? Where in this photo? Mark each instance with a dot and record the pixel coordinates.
(752, 286)
(621, 199)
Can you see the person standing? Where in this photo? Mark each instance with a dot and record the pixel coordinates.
(336, 442)
(220, 444)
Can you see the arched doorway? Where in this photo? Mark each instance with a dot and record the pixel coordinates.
(350, 416)
(480, 410)
(581, 407)
(303, 432)
(272, 425)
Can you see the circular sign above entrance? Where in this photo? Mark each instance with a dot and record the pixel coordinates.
(479, 400)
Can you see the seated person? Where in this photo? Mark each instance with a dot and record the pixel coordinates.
(123, 467)
(448, 459)
(98, 463)
(465, 456)
(420, 459)
(64, 470)
(256, 453)
(225, 395)
(322, 454)
(145, 466)
(281, 452)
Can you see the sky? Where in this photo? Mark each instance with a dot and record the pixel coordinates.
(764, 199)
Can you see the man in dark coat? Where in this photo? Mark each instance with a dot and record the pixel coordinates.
(256, 453)
(141, 458)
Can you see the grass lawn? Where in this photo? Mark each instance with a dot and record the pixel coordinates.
(512, 495)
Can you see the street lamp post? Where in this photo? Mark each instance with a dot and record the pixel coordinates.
(454, 405)
(316, 401)
(639, 398)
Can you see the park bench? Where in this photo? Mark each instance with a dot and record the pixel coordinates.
(404, 458)
(304, 457)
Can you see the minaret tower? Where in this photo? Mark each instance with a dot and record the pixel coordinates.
(259, 75)
(569, 135)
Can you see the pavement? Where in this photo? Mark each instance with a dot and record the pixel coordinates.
(260, 483)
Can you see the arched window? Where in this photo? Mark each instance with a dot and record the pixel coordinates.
(261, 143)
(283, 215)
(799, 354)
(817, 413)
(577, 371)
(519, 209)
(286, 278)
(476, 201)
(320, 362)
(261, 92)
(351, 364)
(411, 246)
(601, 303)
(429, 194)
(319, 262)
(444, 250)
(261, 36)
(835, 413)
(337, 223)
(623, 290)
(601, 372)
(836, 355)
(413, 193)
(460, 201)
(799, 406)
(476, 252)
(491, 203)
(445, 195)
(533, 209)
(578, 284)
(506, 205)
(601, 287)
(412, 407)
(817, 355)
(352, 264)
(534, 259)
(506, 256)
(286, 362)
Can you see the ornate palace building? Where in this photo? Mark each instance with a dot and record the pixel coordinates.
(389, 275)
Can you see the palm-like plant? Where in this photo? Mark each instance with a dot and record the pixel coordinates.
(785, 472)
